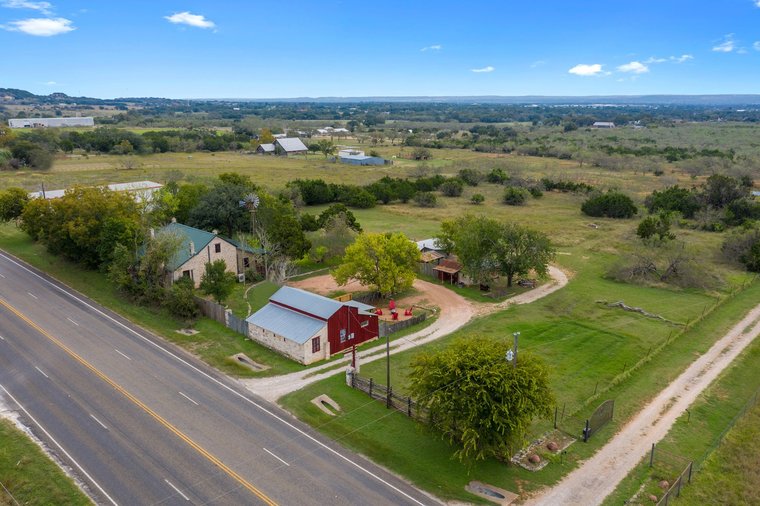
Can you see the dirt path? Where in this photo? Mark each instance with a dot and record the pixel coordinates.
(455, 311)
(598, 477)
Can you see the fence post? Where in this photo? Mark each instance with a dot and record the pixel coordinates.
(556, 410)
(690, 466)
(409, 407)
(651, 457)
(370, 387)
(585, 432)
(388, 399)
(353, 379)
(680, 481)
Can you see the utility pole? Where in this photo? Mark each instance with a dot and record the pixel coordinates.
(388, 368)
(511, 354)
(515, 335)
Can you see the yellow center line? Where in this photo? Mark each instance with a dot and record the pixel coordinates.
(145, 408)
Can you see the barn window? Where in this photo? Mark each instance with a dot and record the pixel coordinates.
(315, 345)
(218, 247)
(365, 323)
(342, 335)
(246, 262)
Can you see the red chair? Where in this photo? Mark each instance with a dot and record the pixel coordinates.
(395, 316)
(379, 312)
(408, 312)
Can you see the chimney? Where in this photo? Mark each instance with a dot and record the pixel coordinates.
(152, 233)
(215, 232)
(174, 220)
(192, 248)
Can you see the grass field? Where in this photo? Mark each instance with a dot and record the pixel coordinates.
(28, 476)
(729, 475)
(409, 448)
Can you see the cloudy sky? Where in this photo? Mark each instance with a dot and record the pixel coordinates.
(230, 48)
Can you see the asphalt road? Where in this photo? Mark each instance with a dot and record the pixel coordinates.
(141, 422)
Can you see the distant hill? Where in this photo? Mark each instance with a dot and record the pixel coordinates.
(602, 100)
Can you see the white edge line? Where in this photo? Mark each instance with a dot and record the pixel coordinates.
(189, 399)
(72, 321)
(42, 372)
(30, 293)
(101, 423)
(1, 275)
(226, 387)
(60, 447)
(275, 456)
(2, 338)
(176, 489)
(120, 353)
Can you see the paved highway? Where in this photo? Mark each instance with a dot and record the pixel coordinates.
(141, 422)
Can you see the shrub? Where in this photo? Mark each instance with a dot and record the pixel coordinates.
(477, 199)
(421, 154)
(497, 176)
(452, 188)
(470, 177)
(425, 199)
(743, 247)
(673, 198)
(514, 196)
(612, 204)
(309, 222)
(655, 225)
(536, 192)
(180, 299)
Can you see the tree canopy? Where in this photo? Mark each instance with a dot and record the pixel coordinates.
(216, 281)
(487, 248)
(386, 262)
(478, 400)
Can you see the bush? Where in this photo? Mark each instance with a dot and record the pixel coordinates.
(470, 177)
(497, 176)
(452, 188)
(514, 196)
(180, 299)
(655, 225)
(536, 192)
(612, 204)
(477, 199)
(309, 222)
(421, 154)
(425, 199)
(743, 247)
(673, 198)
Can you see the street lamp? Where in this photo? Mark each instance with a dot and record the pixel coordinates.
(511, 354)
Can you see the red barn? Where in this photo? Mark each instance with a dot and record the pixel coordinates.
(308, 327)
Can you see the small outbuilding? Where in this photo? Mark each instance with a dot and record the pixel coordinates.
(448, 271)
(290, 146)
(357, 157)
(308, 327)
(265, 149)
(603, 124)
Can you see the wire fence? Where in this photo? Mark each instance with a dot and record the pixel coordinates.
(378, 391)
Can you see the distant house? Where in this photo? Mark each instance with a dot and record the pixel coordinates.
(142, 191)
(308, 327)
(353, 156)
(199, 248)
(603, 124)
(265, 149)
(428, 245)
(290, 146)
(87, 121)
(280, 136)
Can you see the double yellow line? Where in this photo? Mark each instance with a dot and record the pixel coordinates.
(142, 406)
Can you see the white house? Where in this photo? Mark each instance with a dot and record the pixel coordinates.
(86, 121)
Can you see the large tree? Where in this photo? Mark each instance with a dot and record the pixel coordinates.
(480, 402)
(220, 209)
(386, 262)
(487, 248)
(12, 202)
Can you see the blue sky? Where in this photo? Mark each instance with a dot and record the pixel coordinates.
(197, 49)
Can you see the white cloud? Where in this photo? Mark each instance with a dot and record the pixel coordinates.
(757, 3)
(43, 7)
(186, 18)
(682, 58)
(756, 45)
(537, 63)
(727, 45)
(51, 83)
(635, 67)
(484, 69)
(586, 70)
(434, 47)
(40, 27)
(672, 59)
(653, 59)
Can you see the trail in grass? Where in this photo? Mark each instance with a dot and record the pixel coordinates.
(598, 477)
(455, 311)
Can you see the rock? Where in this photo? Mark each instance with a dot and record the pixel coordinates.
(653, 498)
(552, 446)
(664, 484)
(534, 459)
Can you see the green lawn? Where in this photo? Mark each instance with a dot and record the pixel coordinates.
(729, 475)
(256, 298)
(28, 476)
(582, 342)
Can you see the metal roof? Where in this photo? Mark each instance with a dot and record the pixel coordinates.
(286, 323)
(308, 302)
(200, 239)
(362, 307)
(428, 244)
(448, 266)
(267, 147)
(290, 144)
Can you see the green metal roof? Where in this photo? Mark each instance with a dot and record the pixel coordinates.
(200, 239)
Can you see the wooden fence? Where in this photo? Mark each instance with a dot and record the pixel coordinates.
(390, 327)
(211, 309)
(378, 391)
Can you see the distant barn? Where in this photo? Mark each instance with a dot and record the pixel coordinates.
(603, 124)
(356, 157)
(87, 121)
(290, 146)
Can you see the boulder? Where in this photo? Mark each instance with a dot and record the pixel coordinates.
(534, 459)
(552, 446)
